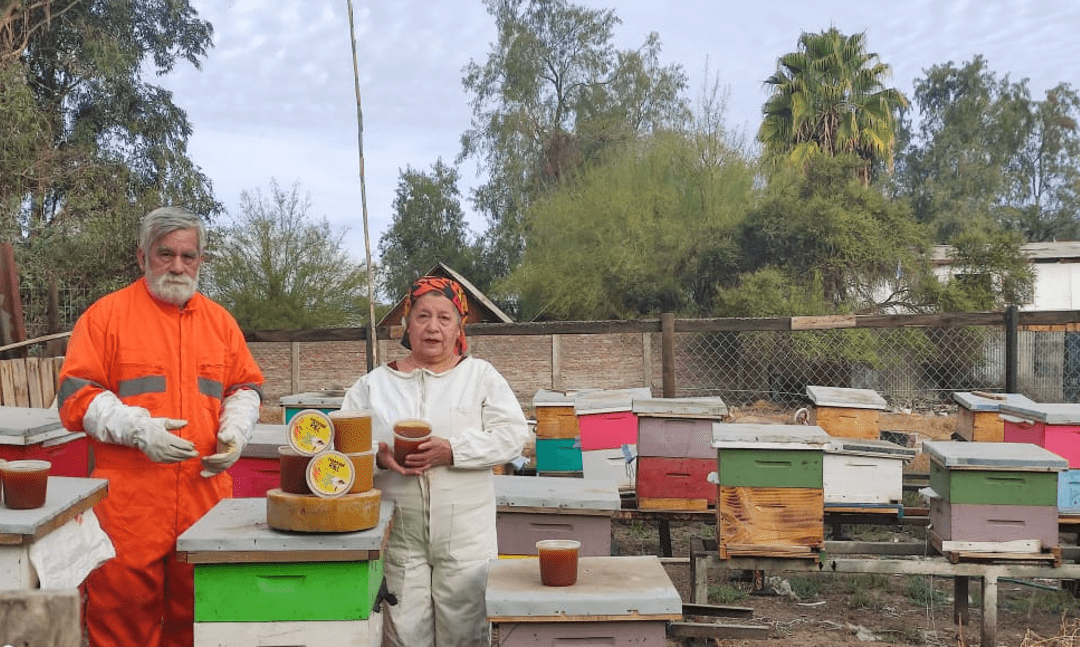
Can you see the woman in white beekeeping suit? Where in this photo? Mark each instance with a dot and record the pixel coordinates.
(443, 536)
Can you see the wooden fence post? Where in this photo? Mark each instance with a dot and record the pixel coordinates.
(667, 352)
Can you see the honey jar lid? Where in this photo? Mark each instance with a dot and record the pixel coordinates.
(330, 474)
(310, 432)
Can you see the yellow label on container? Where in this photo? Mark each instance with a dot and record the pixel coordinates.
(330, 474)
(311, 431)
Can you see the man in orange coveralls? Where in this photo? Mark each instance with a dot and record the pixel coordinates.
(158, 376)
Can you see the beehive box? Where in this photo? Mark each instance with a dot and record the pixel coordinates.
(993, 492)
(346, 633)
(259, 468)
(606, 419)
(617, 601)
(864, 471)
(770, 500)
(677, 427)
(675, 483)
(36, 433)
(558, 455)
(246, 572)
(325, 401)
(1053, 426)
(554, 411)
(617, 465)
(531, 508)
(1069, 491)
(977, 416)
(849, 413)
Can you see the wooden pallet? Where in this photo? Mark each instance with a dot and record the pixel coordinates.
(987, 551)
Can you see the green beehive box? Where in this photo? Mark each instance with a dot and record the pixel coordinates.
(999, 487)
(770, 467)
(769, 455)
(278, 592)
(994, 473)
(558, 455)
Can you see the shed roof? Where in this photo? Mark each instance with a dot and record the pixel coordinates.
(481, 309)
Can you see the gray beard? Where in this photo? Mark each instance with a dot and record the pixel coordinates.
(176, 290)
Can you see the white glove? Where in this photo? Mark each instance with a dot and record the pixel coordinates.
(239, 413)
(111, 421)
(153, 438)
(230, 442)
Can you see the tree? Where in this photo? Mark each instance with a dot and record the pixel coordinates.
(428, 227)
(986, 156)
(845, 245)
(274, 267)
(552, 95)
(101, 146)
(649, 230)
(829, 97)
(1045, 192)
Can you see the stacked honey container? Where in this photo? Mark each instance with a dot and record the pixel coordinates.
(326, 474)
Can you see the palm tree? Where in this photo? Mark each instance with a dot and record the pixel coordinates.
(829, 97)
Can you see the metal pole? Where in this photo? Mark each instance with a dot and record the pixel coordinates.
(1012, 320)
(667, 352)
(372, 346)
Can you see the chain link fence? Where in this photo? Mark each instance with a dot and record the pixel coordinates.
(909, 367)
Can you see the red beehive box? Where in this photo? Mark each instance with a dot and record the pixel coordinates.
(27, 432)
(660, 477)
(259, 468)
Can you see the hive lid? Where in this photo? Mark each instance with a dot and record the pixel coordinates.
(978, 400)
(609, 400)
(833, 396)
(30, 422)
(265, 440)
(1056, 413)
(868, 447)
(556, 492)
(556, 398)
(765, 436)
(327, 398)
(973, 455)
(680, 407)
(633, 587)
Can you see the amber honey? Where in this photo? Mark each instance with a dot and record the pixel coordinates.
(25, 483)
(364, 467)
(352, 430)
(292, 471)
(408, 434)
(558, 561)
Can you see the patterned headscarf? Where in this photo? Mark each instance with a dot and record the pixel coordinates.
(450, 289)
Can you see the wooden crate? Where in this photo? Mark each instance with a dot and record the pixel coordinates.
(556, 422)
(847, 422)
(983, 426)
(770, 521)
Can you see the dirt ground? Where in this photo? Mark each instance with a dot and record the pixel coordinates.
(842, 609)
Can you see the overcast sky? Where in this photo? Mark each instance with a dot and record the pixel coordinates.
(275, 96)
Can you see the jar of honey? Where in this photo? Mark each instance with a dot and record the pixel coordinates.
(408, 434)
(25, 483)
(558, 561)
(292, 471)
(352, 430)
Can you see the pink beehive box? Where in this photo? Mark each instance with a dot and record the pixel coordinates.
(1052, 426)
(606, 419)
